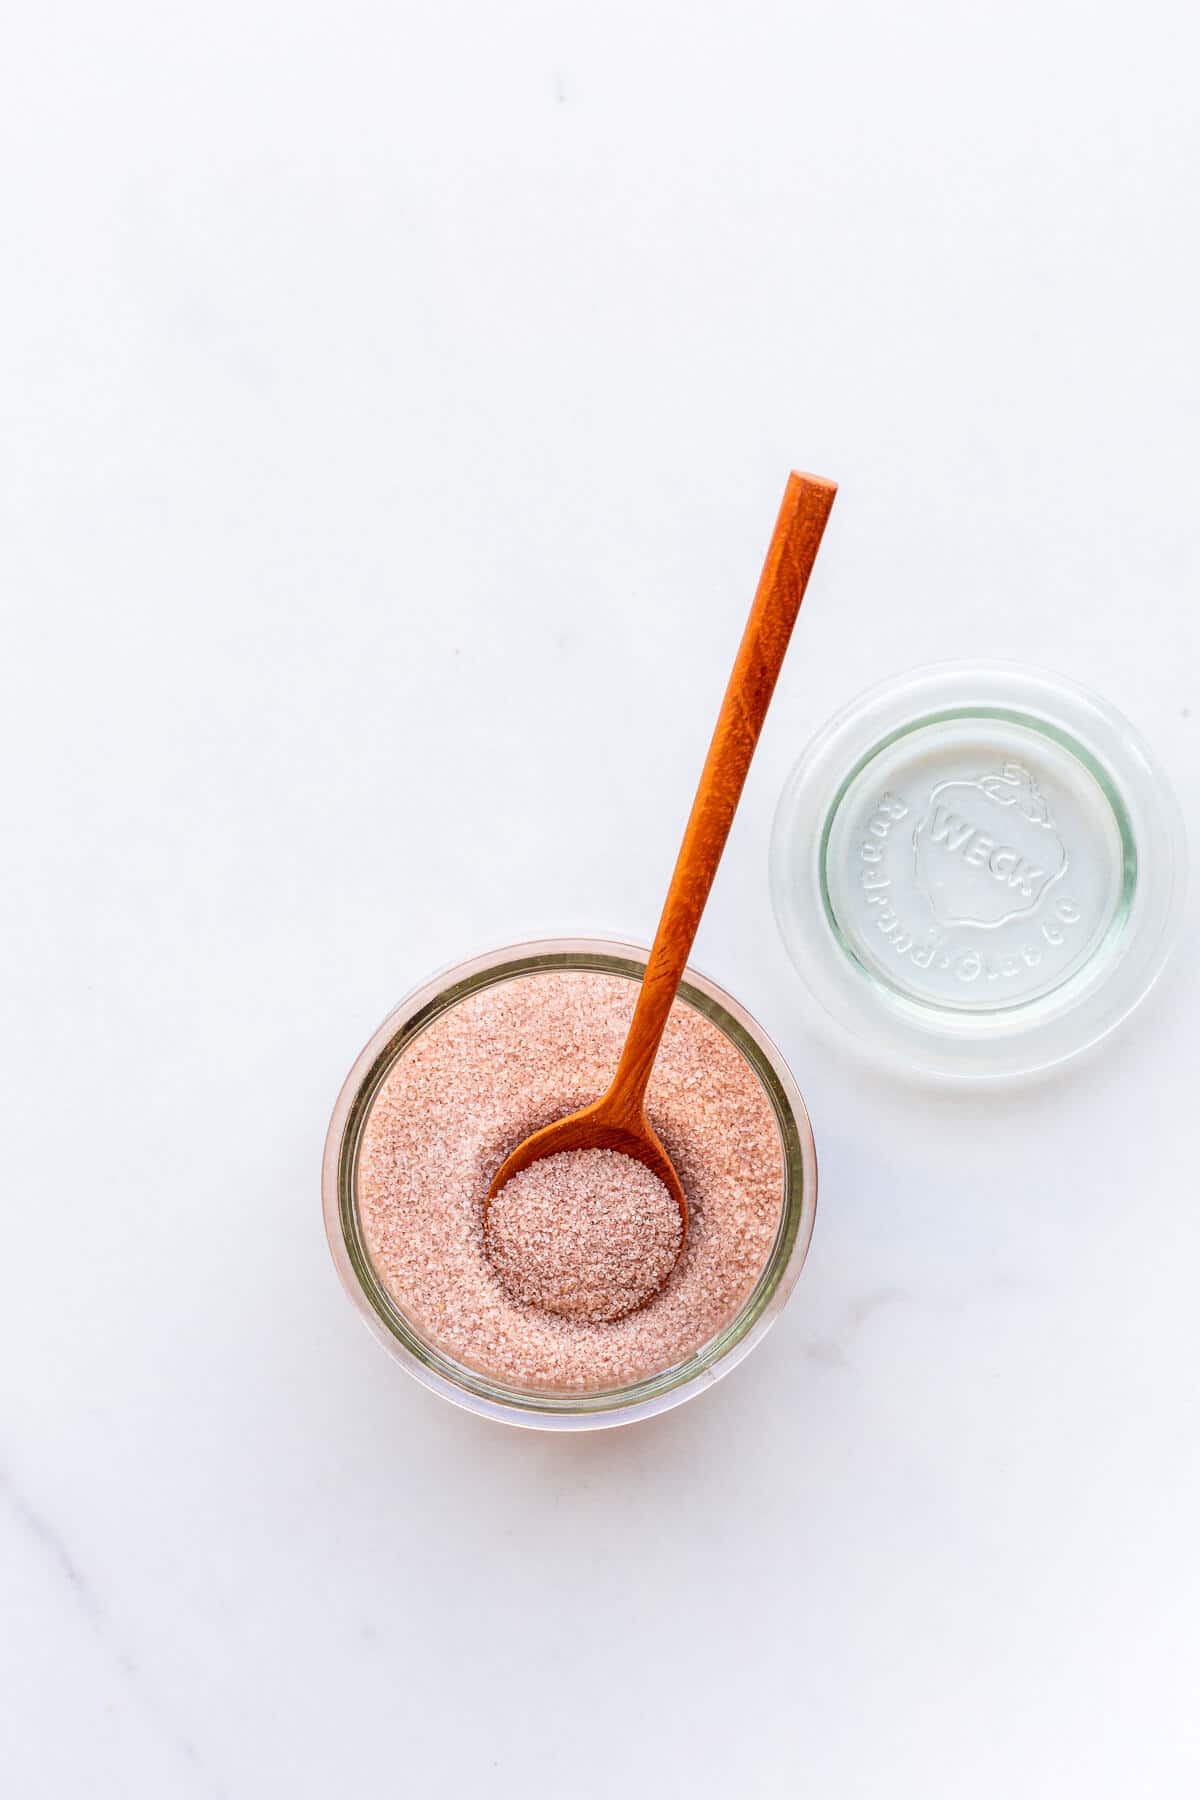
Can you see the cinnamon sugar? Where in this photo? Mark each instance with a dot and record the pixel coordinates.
(479, 1079)
(587, 1233)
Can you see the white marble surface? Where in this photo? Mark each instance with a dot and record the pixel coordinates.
(395, 401)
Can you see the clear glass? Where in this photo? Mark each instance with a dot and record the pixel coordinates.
(548, 1408)
(978, 870)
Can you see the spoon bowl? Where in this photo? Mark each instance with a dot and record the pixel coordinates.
(597, 1127)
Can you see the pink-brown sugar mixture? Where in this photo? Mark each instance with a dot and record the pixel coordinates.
(587, 1233)
(470, 1087)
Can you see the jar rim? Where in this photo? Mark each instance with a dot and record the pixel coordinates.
(545, 1407)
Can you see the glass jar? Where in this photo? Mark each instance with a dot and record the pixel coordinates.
(547, 1408)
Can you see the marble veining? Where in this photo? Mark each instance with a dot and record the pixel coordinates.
(55, 1550)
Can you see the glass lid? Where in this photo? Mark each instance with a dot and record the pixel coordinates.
(977, 869)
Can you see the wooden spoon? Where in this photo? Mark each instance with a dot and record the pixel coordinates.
(617, 1121)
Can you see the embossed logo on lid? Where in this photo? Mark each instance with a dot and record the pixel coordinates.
(987, 848)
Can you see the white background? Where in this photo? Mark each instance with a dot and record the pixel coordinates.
(396, 403)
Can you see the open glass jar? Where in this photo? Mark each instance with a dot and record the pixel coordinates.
(544, 1407)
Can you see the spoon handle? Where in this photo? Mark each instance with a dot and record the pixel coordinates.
(794, 545)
